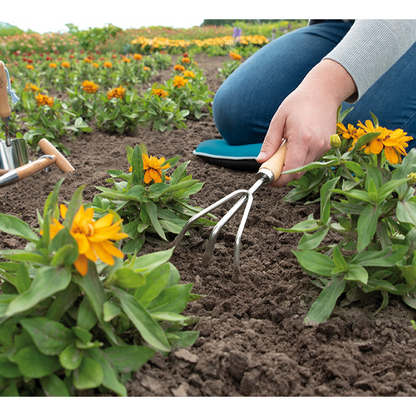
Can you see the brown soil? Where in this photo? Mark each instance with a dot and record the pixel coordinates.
(252, 338)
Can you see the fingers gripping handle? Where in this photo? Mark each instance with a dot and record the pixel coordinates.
(4, 99)
(273, 167)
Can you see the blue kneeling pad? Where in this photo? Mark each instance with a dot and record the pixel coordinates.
(219, 152)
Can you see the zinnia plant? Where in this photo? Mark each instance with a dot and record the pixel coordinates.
(363, 243)
(149, 202)
(68, 324)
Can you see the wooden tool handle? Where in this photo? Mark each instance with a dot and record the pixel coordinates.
(33, 167)
(49, 149)
(276, 162)
(4, 99)
(3, 171)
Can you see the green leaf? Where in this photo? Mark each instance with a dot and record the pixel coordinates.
(86, 316)
(184, 339)
(88, 375)
(311, 241)
(149, 329)
(356, 273)
(81, 333)
(92, 287)
(13, 225)
(152, 212)
(326, 199)
(147, 262)
(34, 256)
(406, 212)
(22, 279)
(129, 357)
(303, 226)
(53, 386)
(156, 281)
(50, 337)
(356, 194)
(110, 376)
(128, 278)
(71, 357)
(8, 369)
(322, 308)
(315, 262)
(172, 299)
(339, 260)
(64, 249)
(48, 281)
(110, 311)
(388, 188)
(367, 226)
(62, 302)
(73, 207)
(34, 364)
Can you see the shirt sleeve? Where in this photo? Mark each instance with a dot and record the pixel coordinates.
(370, 48)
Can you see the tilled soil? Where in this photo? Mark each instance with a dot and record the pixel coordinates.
(252, 338)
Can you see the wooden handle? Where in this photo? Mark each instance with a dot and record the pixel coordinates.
(49, 149)
(276, 162)
(33, 167)
(4, 99)
(3, 171)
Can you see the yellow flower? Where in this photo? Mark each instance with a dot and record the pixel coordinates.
(179, 81)
(107, 64)
(179, 68)
(153, 168)
(29, 66)
(187, 73)
(89, 87)
(65, 64)
(160, 92)
(93, 237)
(394, 144)
(119, 92)
(137, 57)
(44, 100)
(52, 65)
(31, 87)
(95, 65)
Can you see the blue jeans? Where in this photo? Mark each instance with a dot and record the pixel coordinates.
(246, 102)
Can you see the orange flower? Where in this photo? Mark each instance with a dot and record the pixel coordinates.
(235, 56)
(52, 65)
(93, 237)
(89, 87)
(179, 81)
(137, 57)
(153, 168)
(186, 60)
(95, 65)
(127, 60)
(146, 68)
(88, 60)
(119, 92)
(44, 100)
(65, 64)
(31, 87)
(107, 64)
(179, 68)
(29, 66)
(187, 73)
(160, 92)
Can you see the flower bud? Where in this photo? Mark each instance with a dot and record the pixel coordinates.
(335, 141)
(412, 177)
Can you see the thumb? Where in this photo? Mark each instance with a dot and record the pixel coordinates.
(272, 142)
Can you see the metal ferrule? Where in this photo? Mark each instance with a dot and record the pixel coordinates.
(9, 178)
(265, 174)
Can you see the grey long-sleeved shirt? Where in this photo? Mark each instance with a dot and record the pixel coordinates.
(370, 48)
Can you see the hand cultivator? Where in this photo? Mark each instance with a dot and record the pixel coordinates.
(14, 163)
(266, 175)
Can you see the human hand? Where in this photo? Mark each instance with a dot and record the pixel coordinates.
(307, 118)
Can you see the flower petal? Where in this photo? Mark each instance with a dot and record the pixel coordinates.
(82, 241)
(111, 249)
(81, 264)
(102, 254)
(104, 222)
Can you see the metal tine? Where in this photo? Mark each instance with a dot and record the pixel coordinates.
(209, 250)
(205, 211)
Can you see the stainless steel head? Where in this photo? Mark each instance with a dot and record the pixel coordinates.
(13, 156)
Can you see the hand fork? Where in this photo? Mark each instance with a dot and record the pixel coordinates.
(268, 173)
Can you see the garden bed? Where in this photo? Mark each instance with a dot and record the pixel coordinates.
(252, 338)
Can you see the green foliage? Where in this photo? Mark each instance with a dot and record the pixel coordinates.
(61, 332)
(158, 209)
(94, 37)
(228, 67)
(370, 211)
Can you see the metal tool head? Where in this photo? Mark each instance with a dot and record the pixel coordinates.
(14, 155)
